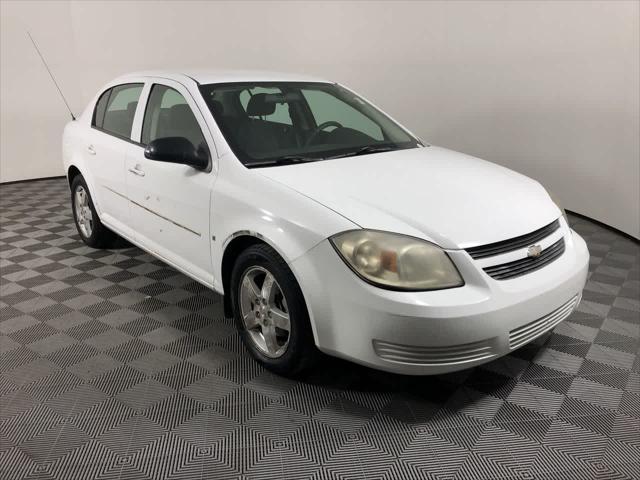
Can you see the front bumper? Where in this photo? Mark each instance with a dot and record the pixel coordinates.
(440, 331)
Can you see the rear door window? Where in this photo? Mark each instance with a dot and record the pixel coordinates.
(116, 109)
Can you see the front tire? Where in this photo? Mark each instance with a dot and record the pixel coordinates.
(89, 226)
(270, 312)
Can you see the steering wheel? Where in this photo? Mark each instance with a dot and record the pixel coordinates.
(319, 128)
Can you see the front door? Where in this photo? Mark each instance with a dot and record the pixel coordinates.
(170, 202)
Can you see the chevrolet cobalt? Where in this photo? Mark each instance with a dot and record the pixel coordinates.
(326, 224)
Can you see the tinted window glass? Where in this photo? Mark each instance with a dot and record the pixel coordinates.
(267, 123)
(169, 115)
(280, 112)
(121, 109)
(101, 106)
(326, 107)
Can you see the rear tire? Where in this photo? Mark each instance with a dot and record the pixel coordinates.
(91, 230)
(267, 300)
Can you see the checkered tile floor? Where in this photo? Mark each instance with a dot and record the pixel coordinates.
(113, 365)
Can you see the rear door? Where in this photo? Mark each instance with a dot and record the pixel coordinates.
(105, 149)
(170, 202)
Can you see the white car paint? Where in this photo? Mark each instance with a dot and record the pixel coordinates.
(418, 192)
(188, 218)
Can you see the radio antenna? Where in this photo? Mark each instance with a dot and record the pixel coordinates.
(51, 75)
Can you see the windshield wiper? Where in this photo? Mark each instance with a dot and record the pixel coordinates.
(285, 160)
(291, 159)
(364, 151)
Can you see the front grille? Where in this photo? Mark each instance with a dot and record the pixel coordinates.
(433, 356)
(522, 335)
(512, 244)
(526, 265)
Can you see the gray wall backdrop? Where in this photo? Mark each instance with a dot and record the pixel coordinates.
(549, 89)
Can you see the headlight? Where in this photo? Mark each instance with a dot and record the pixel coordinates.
(396, 261)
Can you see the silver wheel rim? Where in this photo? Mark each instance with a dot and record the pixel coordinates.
(84, 217)
(264, 311)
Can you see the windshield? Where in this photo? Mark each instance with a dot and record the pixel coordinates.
(275, 123)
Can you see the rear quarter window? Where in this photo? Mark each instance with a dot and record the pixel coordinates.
(101, 106)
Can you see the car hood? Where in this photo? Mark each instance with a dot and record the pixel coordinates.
(451, 199)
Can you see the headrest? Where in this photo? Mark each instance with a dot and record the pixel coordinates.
(181, 114)
(131, 107)
(217, 107)
(259, 105)
(184, 124)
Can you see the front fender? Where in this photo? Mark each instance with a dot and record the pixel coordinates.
(247, 203)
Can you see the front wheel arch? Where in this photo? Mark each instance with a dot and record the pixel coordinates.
(301, 353)
(235, 245)
(231, 253)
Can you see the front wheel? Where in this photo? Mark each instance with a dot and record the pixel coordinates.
(270, 312)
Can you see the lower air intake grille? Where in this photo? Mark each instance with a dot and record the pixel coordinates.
(526, 265)
(417, 355)
(522, 335)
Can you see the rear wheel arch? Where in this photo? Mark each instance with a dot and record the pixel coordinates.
(96, 235)
(72, 173)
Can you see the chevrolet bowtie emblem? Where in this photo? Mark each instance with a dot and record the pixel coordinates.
(534, 251)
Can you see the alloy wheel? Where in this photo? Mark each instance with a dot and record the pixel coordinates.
(84, 216)
(264, 311)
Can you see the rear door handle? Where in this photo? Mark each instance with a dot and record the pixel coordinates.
(91, 150)
(136, 171)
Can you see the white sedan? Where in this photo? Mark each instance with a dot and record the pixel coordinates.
(326, 224)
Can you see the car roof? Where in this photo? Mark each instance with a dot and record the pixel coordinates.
(206, 76)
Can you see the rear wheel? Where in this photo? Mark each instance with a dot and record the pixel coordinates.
(89, 226)
(270, 312)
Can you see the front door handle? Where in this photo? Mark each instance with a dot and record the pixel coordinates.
(137, 171)
(91, 150)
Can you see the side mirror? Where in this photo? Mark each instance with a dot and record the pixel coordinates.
(177, 150)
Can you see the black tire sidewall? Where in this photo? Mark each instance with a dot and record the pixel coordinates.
(301, 345)
(93, 239)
